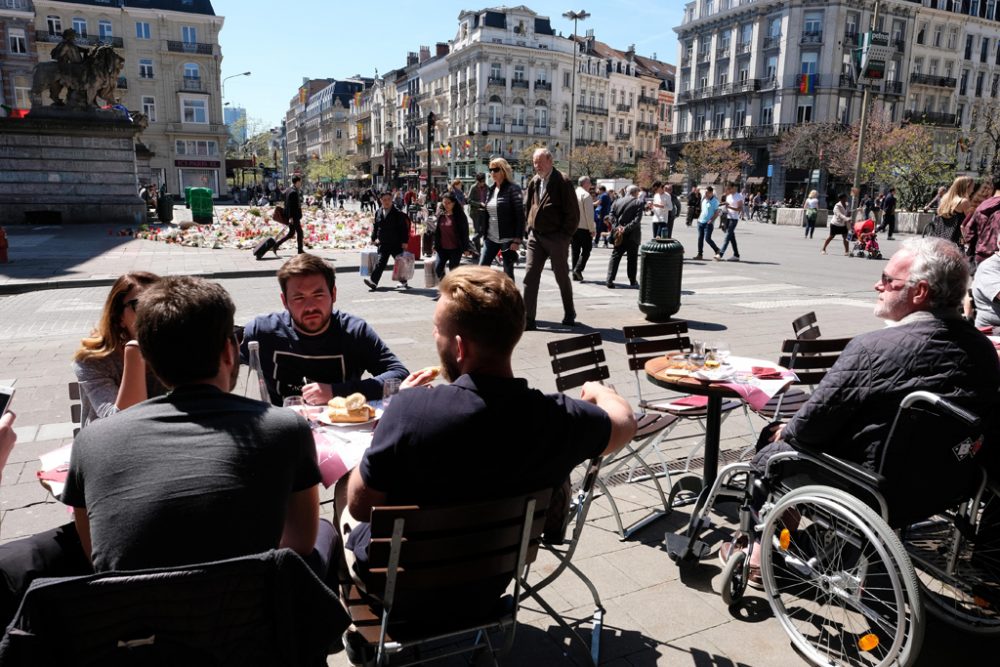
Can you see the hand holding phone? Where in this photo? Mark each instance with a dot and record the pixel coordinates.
(6, 397)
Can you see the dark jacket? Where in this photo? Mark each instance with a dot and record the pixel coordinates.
(557, 211)
(461, 224)
(510, 211)
(851, 411)
(391, 229)
(477, 207)
(694, 204)
(980, 230)
(626, 213)
(293, 204)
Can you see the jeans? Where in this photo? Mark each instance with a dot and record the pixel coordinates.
(580, 250)
(705, 236)
(555, 248)
(631, 249)
(730, 238)
(658, 228)
(450, 257)
(490, 250)
(383, 260)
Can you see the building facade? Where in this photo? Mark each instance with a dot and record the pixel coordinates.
(18, 54)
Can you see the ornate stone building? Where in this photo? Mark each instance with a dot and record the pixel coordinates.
(18, 54)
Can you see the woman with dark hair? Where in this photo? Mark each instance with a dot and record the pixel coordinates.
(451, 236)
(505, 210)
(109, 365)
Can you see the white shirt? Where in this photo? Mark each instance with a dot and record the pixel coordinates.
(733, 201)
(660, 203)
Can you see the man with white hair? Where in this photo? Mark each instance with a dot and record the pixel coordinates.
(626, 232)
(583, 237)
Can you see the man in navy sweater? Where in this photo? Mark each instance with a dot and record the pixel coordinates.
(311, 350)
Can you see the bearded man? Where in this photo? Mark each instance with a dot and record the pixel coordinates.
(311, 350)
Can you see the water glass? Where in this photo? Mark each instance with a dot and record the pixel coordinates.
(294, 402)
(722, 352)
(697, 353)
(390, 388)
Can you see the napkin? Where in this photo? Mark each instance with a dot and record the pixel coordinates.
(691, 401)
(766, 373)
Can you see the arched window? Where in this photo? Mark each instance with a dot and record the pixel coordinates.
(518, 112)
(495, 110)
(192, 71)
(541, 114)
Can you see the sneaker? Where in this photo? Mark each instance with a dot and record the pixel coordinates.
(569, 321)
(577, 276)
(734, 258)
(404, 284)
(371, 286)
(699, 258)
(718, 257)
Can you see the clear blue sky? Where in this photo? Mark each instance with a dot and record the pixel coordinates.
(280, 43)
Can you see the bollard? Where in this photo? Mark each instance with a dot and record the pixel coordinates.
(3, 245)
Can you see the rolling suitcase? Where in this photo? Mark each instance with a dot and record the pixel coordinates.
(264, 247)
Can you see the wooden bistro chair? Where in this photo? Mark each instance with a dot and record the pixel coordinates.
(75, 409)
(422, 561)
(806, 327)
(810, 359)
(648, 341)
(581, 359)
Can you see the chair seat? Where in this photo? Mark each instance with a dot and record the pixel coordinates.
(667, 406)
(791, 401)
(650, 423)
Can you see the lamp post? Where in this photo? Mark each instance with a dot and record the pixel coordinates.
(862, 133)
(231, 77)
(574, 17)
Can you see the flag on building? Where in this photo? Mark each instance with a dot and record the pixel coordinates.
(807, 84)
(357, 99)
(406, 101)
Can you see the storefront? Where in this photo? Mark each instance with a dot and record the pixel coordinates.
(198, 174)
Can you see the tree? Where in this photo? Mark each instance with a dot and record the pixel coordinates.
(330, 168)
(594, 161)
(651, 168)
(824, 146)
(715, 156)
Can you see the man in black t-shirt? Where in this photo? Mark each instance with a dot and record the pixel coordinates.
(199, 474)
(459, 443)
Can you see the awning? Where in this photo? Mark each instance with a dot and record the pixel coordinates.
(710, 177)
(755, 180)
(734, 177)
(676, 179)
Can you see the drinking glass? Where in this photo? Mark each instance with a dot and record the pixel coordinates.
(293, 402)
(390, 388)
(697, 353)
(722, 352)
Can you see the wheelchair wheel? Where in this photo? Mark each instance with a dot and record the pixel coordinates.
(959, 568)
(734, 578)
(839, 581)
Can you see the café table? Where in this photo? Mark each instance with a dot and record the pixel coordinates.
(660, 372)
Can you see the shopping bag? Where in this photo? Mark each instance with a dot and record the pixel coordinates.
(369, 259)
(402, 267)
(428, 244)
(430, 274)
(413, 245)
(279, 215)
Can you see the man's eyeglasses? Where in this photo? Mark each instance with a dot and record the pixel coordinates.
(494, 170)
(132, 303)
(888, 280)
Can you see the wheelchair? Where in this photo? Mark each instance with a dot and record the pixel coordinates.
(851, 559)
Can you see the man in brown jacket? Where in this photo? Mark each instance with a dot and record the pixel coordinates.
(553, 216)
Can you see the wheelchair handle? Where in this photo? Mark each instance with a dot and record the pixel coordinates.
(933, 399)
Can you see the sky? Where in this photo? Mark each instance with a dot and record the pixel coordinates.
(280, 43)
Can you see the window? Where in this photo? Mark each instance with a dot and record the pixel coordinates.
(104, 30)
(996, 83)
(929, 104)
(984, 49)
(949, 69)
(495, 111)
(813, 23)
(495, 71)
(720, 119)
(192, 71)
(959, 112)
(149, 108)
(196, 147)
(566, 80)
(518, 72)
(979, 83)
(141, 30)
(767, 112)
(744, 73)
(740, 116)
(843, 110)
(938, 34)
(809, 62)
(723, 78)
(541, 114)
(189, 35)
(963, 84)
(194, 111)
(804, 112)
(519, 115)
(746, 33)
(16, 41)
(22, 97)
(55, 25)
(772, 67)
(145, 68)
(953, 39)
(898, 30)
(543, 75)
(968, 46)
(921, 33)
(851, 25)
(918, 65)
(726, 38)
(600, 100)
(774, 28)
(80, 25)
(932, 67)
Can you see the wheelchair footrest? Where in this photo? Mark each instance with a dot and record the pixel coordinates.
(684, 548)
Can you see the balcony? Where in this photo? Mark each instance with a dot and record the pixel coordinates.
(81, 40)
(893, 87)
(930, 118)
(543, 85)
(519, 83)
(772, 42)
(494, 127)
(190, 47)
(597, 111)
(931, 80)
(852, 38)
(744, 47)
(722, 52)
(645, 99)
(579, 142)
(191, 83)
(623, 136)
(648, 127)
(540, 131)
(740, 132)
(438, 91)
(704, 56)
(518, 129)
(811, 38)
(497, 81)
(197, 128)
(623, 107)
(686, 60)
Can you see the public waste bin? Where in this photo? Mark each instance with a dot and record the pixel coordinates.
(660, 278)
(773, 214)
(201, 205)
(165, 208)
(187, 197)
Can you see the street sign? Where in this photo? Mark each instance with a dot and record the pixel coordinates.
(815, 176)
(871, 58)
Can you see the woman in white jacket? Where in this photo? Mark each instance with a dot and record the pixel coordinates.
(841, 221)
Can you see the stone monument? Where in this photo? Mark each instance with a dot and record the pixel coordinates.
(73, 161)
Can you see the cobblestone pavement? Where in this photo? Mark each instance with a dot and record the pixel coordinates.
(657, 613)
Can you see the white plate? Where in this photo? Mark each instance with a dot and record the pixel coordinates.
(324, 419)
(715, 376)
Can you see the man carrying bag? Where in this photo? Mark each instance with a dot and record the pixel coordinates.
(390, 233)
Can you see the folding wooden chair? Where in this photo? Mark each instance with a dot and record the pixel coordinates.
(422, 562)
(648, 341)
(810, 359)
(805, 327)
(581, 359)
(75, 409)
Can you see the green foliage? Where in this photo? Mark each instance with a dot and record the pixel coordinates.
(332, 167)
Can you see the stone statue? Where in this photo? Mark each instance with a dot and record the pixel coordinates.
(94, 76)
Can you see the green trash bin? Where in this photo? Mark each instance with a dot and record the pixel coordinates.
(187, 197)
(660, 278)
(201, 205)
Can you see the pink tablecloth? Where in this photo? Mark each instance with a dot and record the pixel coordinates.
(756, 391)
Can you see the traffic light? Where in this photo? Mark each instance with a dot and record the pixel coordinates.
(431, 121)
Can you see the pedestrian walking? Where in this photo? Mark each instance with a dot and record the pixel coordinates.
(626, 230)
(504, 226)
(451, 235)
(293, 213)
(661, 204)
(731, 217)
(694, 206)
(390, 233)
(709, 211)
(811, 206)
(889, 213)
(583, 237)
(841, 221)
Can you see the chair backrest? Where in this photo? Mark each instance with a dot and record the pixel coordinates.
(578, 359)
(267, 609)
(811, 359)
(649, 341)
(429, 550)
(805, 327)
(75, 409)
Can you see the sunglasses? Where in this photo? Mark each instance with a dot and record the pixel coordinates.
(132, 303)
(494, 170)
(888, 280)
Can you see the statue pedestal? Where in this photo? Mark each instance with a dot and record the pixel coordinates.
(61, 166)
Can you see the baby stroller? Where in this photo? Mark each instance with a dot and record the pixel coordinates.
(865, 240)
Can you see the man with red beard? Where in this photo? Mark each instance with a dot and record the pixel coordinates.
(311, 350)
(458, 442)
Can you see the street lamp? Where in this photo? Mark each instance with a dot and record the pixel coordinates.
(574, 17)
(231, 77)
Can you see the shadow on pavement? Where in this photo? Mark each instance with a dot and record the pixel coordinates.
(51, 251)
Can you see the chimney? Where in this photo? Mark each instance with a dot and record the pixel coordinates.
(441, 49)
(425, 53)
(411, 58)
(630, 54)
